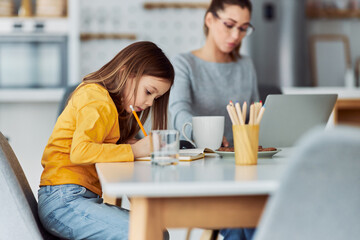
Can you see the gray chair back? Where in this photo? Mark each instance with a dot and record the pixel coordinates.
(18, 207)
(319, 194)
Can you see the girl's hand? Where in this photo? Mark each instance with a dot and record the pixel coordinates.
(141, 148)
(225, 142)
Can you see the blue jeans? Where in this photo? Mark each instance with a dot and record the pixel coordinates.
(237, 233)
(71, 211)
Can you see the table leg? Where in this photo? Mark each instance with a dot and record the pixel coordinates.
(145, 219)
(150, 216)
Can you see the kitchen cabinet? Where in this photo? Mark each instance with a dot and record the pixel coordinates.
(35, 31)
(332, 13)
(33, 52)
(347, 111)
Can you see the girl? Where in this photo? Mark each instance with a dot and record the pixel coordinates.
(97, 125)
(207, 78)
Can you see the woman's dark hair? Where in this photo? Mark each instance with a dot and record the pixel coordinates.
(219, 5)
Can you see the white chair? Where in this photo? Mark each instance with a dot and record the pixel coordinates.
(319, 195)
(18, 207)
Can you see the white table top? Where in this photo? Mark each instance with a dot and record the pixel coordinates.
(212, 176)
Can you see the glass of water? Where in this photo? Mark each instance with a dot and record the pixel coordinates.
(164, 147)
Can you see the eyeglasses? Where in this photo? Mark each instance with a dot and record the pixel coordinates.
(245, 30)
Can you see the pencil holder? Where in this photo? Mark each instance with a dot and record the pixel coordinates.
(246, 141)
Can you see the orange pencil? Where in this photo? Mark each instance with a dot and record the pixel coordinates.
(138, 120)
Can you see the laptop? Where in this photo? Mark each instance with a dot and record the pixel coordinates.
(288, 117)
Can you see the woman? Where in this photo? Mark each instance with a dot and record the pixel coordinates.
(207, 78)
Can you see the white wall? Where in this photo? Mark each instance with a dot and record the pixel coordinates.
(173, 30)
(28, 126)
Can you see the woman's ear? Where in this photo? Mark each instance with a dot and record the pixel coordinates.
(209, 19)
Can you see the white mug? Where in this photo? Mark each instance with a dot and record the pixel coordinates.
(208, 131)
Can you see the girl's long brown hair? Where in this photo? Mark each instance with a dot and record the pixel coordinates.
(218, 5)
(130, 64)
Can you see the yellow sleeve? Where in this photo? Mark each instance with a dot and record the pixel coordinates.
(95, 123)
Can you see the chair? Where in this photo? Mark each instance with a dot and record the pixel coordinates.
(319, 196)
(18, 212)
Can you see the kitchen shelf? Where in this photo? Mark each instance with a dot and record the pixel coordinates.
(343, 92)
(28, 95)
(16, 25)
(91, 36)
(34, 17)
(155, 5)
(332, 13)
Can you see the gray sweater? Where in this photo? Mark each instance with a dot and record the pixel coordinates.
(204, 88)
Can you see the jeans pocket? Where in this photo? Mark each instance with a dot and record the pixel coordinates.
(76, 190)
(45, 196)
(72, 192)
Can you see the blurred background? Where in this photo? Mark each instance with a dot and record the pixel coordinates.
(299, 46)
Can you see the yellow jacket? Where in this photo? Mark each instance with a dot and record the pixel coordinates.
(85, 133)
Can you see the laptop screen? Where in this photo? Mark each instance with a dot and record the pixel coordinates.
(288, 117)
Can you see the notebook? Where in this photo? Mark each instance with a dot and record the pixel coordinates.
(186, 154)
(288, 117)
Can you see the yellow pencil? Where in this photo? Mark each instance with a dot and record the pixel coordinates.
(138, 120)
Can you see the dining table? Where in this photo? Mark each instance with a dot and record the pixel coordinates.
(209, 193)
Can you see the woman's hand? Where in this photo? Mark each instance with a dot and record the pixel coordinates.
(141, 148)
(225, 142)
